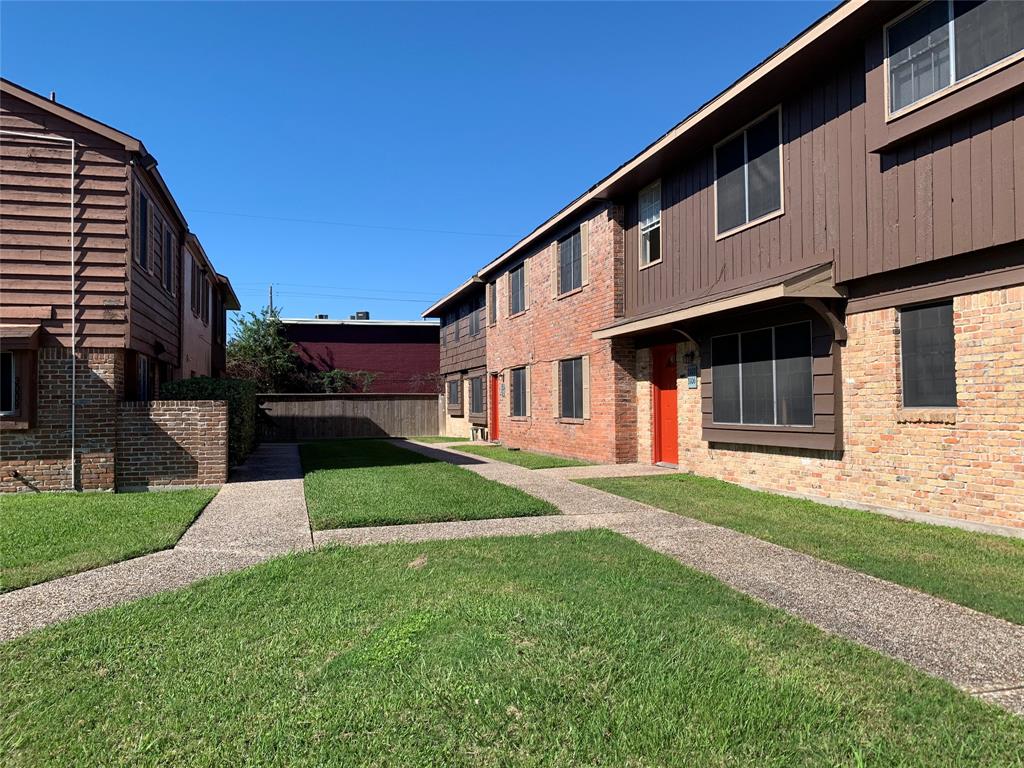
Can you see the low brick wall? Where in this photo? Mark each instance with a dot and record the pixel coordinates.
(171, 443)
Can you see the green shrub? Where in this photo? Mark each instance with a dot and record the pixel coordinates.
(242, 407)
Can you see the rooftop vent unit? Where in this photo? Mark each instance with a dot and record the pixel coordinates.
(320, 317)
(362, 315)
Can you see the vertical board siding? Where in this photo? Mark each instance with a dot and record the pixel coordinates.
(316, 417)
(36, 234)
(945, 191)
(469, 351)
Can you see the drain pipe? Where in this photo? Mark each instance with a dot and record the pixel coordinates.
(74, 299)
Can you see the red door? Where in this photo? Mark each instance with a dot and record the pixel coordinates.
(492, 422)
(666, 424)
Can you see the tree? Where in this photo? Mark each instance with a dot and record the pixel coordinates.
(260, 352)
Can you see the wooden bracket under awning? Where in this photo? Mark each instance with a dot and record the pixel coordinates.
(812, 285)
(19, 337)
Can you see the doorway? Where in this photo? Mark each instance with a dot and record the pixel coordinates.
(666, 408)
(492, 421)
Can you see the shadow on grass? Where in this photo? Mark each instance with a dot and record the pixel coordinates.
(354, 454)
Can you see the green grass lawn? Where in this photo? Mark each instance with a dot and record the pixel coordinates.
(981, 571)
(439, 439)
(46, 535)
(353, 483)
(522, 458)
(563, 650)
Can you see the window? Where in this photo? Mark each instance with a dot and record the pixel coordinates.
(7, 388)
(455, 325)
(517, 389)
(492, 305)
(142, 380)
(946, 41)
(454, 392)
(570, 380)
(474, 322)
(444, 334)
(204, 296)
(650, 224)
(142, 224)
(517, 290)
(197, 278)
(168, 276)
(763, 377)
(929, 365)
(476, 394)
(748, 174)
(570, 263)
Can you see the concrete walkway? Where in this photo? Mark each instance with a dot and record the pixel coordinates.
(259, 514)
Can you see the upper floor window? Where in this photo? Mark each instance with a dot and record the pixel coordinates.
(650, 224)
(570, 263)
(455, 325)
(204, 306)
(928, 352)
(517, 289)
(492, 303)
(763, 377)
(943, 42)
(168, 276)
(748, 174)
(7, 387)
(142, 231)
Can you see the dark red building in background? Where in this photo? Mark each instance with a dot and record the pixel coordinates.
(402, 355)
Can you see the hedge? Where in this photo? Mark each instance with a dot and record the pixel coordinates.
(242, 407)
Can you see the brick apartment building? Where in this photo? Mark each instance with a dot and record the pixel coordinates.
(384, 356)
(813, 284)
(463, 370)
(96, 266)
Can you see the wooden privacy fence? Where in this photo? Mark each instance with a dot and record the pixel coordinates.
(314, 417)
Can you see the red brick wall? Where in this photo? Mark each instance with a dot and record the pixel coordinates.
(172, 442)
(965, 462)
(558, 328)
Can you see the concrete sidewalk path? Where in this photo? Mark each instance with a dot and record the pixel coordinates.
(259, 514)
(980, 654)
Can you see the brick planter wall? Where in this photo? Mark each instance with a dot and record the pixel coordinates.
(965, 463)
(172, 443)
(558, 328)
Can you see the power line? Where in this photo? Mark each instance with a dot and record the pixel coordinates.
(428, 294)
(302, 294)
(349, 224)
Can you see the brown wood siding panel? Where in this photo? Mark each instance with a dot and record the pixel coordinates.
(1003, 224)
(469, 351)
(35, 228)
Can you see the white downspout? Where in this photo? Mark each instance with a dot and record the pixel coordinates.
(74, 299)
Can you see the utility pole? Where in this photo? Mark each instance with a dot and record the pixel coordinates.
(271, 297)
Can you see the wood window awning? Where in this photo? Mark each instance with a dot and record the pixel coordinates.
(18, 337)
(811, 284)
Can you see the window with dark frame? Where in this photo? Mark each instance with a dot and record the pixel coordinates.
(7, 384)
(570, 380)
(142, 380)
(650, 224)
(454, 393)
(517, 290)
(456, 322)
(517, 391)
(945, 41)
(748, 174)
(204, 297)
(764, 376)
(570, 263)
(168, 276)
(492, 310)
(476, 395)
(142, 241)
(474, 322)
(928, 353)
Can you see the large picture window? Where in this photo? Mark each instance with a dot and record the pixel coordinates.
(763, 377)
(650, 224)
(946, 41)
(570, 263)
(517, 391)
(570, 379)
(929, 357)
(748, 174)
(517, 290)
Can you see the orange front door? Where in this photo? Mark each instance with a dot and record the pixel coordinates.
(492, 422)
(666, 424)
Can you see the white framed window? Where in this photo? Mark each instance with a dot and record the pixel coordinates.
(941, 43)
(748, 175)
(650, 224)
(7, 384)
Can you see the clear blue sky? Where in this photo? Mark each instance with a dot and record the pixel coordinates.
(446, 130)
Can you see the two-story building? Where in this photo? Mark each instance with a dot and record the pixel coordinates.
(463, 361)
(93, 249)
(813, 284)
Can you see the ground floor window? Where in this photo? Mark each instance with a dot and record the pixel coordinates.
(7, 379)
(143, 381)
(570, 378)
(763, 376)
(929, 356)
(517, 391)
(454, 393)
(476, 394)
